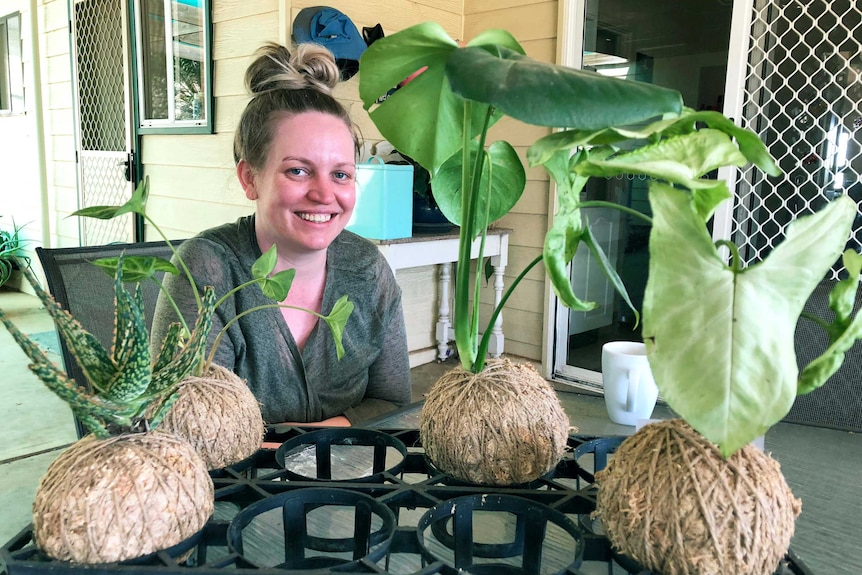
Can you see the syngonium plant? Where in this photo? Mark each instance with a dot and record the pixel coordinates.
(129, 389)
(719, 336)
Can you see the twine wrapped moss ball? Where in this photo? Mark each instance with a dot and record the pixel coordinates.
(106, 500)
(502, 426)
(671, 502)
(218, 414)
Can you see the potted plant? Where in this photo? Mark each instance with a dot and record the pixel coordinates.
(441, 120)
(135, 485)
(127, 489)
(11, 253)
(719, 337)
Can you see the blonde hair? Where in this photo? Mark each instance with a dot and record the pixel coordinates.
(281, 82)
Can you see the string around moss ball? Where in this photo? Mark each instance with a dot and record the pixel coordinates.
(502, 426)
(668, 500)
(218, 414)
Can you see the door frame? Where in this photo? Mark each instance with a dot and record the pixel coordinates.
(128, 157)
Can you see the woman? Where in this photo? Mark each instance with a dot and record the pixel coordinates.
(295, 151)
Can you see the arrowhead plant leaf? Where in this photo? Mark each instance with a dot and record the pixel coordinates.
(719, 338)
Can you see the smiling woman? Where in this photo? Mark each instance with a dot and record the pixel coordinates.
(295, 151)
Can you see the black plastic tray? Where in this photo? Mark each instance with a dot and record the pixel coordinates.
(405, 484)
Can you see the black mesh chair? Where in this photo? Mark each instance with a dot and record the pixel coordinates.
(838, 404)
(87, 292)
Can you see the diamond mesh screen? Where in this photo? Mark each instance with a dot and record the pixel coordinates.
(803, 95)
(102, 143)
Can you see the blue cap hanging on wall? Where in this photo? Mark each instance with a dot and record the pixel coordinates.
(331, 28)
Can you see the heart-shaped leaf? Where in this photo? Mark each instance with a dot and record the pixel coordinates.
(545, 94)
(337, 321)
(136, 268)
(720, 339)
(505, 174)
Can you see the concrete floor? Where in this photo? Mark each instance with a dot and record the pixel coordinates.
(822, 466)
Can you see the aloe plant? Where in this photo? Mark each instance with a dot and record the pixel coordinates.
(129, 392)
(610, 127)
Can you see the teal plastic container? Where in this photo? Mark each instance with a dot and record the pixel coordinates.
(384, 201)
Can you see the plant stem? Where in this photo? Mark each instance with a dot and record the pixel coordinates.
(626, 209)
(467, 333)
(734, 254)
(246, 312)
(173, 304)
(179, 259)
(486, 337)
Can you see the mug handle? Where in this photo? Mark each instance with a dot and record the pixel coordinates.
(634, 377)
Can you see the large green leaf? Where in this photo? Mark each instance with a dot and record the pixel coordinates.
(843, 331)
(550, 95)
(423, 118)
(136, 204)
(337, 321)
(507, 180)
(680, 159)
(136, 268)
(720, 339)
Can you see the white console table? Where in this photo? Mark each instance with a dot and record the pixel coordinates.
(442, 250)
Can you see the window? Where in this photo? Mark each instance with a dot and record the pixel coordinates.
(11, 66)
(174, 65)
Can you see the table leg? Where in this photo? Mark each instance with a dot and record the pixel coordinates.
(497, 340)
(444, 320)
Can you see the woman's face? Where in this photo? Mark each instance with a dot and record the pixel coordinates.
(306, 191)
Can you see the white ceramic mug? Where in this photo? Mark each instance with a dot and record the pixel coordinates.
(630, 390)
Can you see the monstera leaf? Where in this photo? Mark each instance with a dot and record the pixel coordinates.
(720, 338)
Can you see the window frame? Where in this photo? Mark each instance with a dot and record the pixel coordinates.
(171, 125)
(11, 65)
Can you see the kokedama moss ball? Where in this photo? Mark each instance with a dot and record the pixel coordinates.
(106, 500)
(502, 426)
(671, 502)
(218, 414)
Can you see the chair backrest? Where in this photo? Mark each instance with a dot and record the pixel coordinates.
(838, 404)
(87, 292)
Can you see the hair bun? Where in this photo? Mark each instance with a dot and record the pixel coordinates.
(310, 66)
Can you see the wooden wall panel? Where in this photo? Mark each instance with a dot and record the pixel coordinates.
(174, 212)
(203, 151)
(238, 9)
(528, 230)
(55, 42)
(240, 37)
(172, 181)
(525, 22)
(229, 77)
(394, 15)
(534, 200)
(59, 95)
(473, 7)
(418, 297)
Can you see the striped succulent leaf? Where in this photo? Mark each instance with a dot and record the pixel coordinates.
(91, 356)
(171, 346)
(163, 409)
(192, 352)
(127, 388)
(95, 414)
(131, 346)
